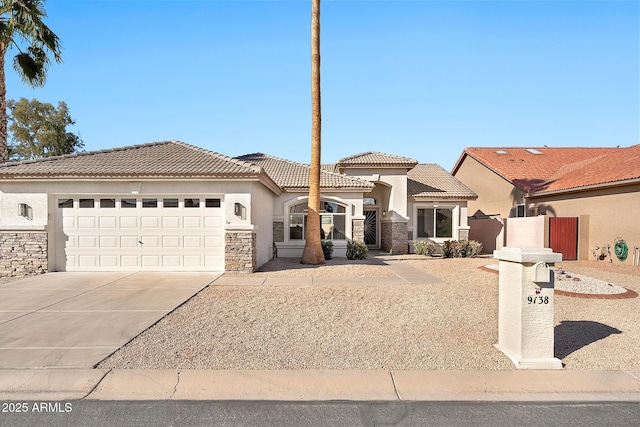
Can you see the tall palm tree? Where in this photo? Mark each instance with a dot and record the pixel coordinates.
(313, 253)
(22, 28)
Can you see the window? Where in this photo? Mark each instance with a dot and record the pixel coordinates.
(127, 203)
(170, 203)
(107, 203)
(86, 203)
(65, 203)
(520, 211)
(332, 221)
(149, 203)
(368, 201)
(212, 203)
(435, 222)
(191, 203)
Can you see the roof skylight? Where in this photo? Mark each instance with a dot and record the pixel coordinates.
(534, 151)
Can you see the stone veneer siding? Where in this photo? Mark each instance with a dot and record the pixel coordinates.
(23, 253)
(278, 231)
(463, 235)
(394, 237)
(240, 252)
(358, 230)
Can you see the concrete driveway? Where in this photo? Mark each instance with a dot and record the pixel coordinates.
(74, 320)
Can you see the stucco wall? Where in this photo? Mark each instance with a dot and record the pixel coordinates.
(603, 216)
(396, 179)
(496, 196)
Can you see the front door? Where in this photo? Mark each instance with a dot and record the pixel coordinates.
(371, 228)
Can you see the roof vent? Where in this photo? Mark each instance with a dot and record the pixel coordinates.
(534, 151)
(501, 152)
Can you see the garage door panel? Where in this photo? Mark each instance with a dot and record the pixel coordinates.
(150, 241)
(192, 241)
(87, 241)
(108, 261)
(87, 222)
(171, 241)
(150, 222)
(108, 222)
(192, 261)
(128, 222)
(191, 221)
(128, 241)
(108, 242)
(134, 237)
(171, 261)
(213, 241)
(171, 222)
(87, 261)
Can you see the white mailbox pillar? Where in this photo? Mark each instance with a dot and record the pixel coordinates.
(525, 312)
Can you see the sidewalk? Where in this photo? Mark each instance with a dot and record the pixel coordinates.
(103, 384)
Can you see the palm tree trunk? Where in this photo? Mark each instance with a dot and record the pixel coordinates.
(312, 253)
(4, 147)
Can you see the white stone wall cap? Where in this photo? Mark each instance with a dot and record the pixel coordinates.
(240, 227)
(35, 227)
(516, 254)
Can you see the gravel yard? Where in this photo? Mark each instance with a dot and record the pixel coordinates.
(449, 325)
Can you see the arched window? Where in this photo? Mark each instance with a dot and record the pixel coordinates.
(332, 220)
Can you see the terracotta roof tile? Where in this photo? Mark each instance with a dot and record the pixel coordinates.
(533, 172)
(617, 166)
(431, 181)
(292, 175)
(160, 159)
(373, 158)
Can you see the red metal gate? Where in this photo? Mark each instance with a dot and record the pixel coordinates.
(563, 237)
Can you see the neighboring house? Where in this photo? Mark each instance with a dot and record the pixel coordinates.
(175, 207)
(598, 186)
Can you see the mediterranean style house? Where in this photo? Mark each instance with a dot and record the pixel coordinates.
(590, 195)
(175, 207)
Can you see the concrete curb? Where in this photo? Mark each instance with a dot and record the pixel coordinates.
(319, 385)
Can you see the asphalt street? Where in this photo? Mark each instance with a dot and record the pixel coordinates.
(335, 414)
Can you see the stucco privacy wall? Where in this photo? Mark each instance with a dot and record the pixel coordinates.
(41, 196)
(603, 215)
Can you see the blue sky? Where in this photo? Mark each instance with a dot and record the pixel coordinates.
(422, 79)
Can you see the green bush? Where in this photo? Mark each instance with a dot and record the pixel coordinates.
(461, 248)
(357, 250)
(327, 248)
(424, 247)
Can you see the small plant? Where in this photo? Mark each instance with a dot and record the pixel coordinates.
(357, 250)
(327, 248)
(461, 248)
(424, 247)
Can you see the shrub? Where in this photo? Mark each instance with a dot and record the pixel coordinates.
(327, 248)
(461, 248)
(424, 247)
(357, 250)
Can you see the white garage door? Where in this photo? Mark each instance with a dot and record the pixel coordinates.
(115, 233)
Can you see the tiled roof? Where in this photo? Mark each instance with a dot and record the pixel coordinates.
(431, 181)
(160, 159)
(291, 175)
(533, 169)
(617, 166)
(375, 159)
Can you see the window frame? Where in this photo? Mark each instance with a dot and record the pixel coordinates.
(330, 236)
(434, 207)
